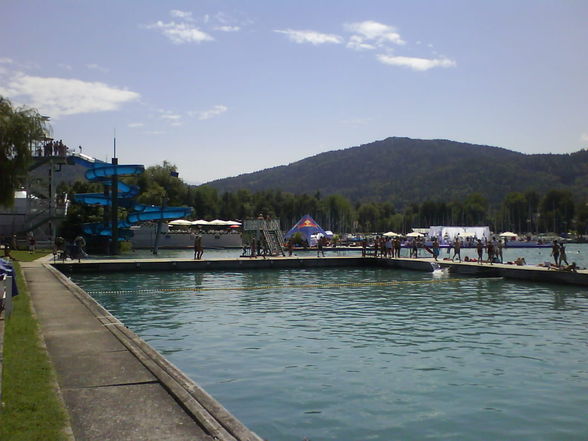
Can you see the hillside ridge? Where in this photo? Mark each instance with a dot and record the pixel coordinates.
(404, 170)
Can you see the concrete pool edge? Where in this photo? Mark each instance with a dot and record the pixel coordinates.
(213, 421)
(528, 273)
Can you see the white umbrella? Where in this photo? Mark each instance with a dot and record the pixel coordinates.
(219, 222)
(180, 222)
(200, 222)
(508, 234)
(414, 234)
(391, 234)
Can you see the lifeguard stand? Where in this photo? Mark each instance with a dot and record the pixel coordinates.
(267, 233)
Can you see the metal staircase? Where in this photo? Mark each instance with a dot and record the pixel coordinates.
(269, 234)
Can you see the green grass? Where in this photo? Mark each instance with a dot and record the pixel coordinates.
(32, 410)
(25, 256)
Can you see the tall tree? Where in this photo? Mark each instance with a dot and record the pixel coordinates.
(557, 210)
(19, 129)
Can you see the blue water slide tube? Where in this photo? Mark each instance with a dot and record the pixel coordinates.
(125, 192)
(100, 229)
(100, 172)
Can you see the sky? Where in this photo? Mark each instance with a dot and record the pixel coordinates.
(221, 88)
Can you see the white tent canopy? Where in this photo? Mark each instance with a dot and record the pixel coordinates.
(508, 234)
(415, 234)
(445, 233)
(391, 234)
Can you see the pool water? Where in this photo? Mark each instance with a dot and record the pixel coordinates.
(369, 353)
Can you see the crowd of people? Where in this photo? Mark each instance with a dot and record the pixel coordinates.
(54, 148)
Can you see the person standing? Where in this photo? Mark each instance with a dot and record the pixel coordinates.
(562, 254)
(555, 252)
(498, 251)
(198, 249)
(388, 247)
(435, 248)
(490, 250)
(319, 243)
(480, 250)
(253, 248)
(32, 243)
(80, 245)
(456, 249)
(397, 246)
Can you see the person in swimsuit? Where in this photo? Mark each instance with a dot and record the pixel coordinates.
(555, 252)
(456, 249)
(480, 249)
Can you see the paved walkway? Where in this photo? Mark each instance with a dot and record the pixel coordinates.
(108, 392)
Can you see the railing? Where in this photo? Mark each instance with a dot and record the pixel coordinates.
(43, 217)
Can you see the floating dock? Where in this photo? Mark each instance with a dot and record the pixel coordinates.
(530, 273)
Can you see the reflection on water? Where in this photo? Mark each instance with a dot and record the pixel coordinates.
(379, 354)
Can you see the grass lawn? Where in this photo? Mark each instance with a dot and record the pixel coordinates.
(32, 410)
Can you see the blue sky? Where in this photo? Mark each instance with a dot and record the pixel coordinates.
(221, 88)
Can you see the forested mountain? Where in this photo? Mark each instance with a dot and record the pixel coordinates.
(404, 170)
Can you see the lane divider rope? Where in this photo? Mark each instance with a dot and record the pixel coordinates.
(197, 290)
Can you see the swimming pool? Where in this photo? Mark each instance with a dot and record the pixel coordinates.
(369, 353)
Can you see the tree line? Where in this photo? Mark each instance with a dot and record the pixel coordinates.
(555, 211)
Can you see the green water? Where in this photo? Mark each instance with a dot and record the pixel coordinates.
(417, 356)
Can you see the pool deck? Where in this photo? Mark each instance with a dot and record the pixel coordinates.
(531, 273)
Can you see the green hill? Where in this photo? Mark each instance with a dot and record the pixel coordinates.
(404, 170)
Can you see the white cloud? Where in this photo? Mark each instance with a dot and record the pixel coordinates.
(173, 119)
(179, 33)
(358, 43)
(61, 96)
(171, 116)
(135, 125)
(227, 28)
(211, 113)
(584, 137)
(416, 63)
(65, 66)
(373, 32)
(97, 67)
(5, 60)
(182, 15)
(311, 37)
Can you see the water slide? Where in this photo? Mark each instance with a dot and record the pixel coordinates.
(103, 172)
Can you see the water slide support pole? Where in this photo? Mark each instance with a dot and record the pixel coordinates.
(114, 208)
